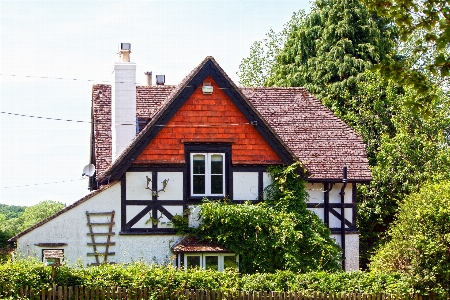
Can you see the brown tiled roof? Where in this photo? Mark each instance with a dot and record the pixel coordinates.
(148, 101)
(319, 139)
(310, 131)
(193, 244)
(84, 199)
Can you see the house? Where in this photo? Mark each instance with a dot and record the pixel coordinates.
(158, 150)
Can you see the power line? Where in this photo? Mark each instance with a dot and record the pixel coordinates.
(35, 184)
(131, 124)
(63, 78)
(44, 118)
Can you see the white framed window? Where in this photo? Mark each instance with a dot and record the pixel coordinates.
(207, 174)
(211, 261)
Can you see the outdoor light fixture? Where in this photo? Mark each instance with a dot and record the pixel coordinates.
(207, 88)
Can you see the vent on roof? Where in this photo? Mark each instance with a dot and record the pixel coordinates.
(160, 79)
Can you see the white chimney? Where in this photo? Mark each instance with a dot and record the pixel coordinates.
(123, 107)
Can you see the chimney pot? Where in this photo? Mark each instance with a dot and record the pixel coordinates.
(148, 78)
(124, 52)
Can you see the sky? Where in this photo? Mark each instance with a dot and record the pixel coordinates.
(52, 52)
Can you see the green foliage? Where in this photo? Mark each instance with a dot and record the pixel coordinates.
(420, 238)
(404, 150)
(431, 20)
(11, 211)
(30, 216)
(20, 218)
(277, 234)
(330, 49)
(32, 273)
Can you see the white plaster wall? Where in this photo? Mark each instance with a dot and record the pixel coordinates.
(315, 191)
(174, 189)
(132, 211)
(351, 250)
(147, 248)
(136, 186)
(335, 222)
(71, 228)
(164, 222)
(245, 185)
(194, 219)
(137, 183)
(334, 193)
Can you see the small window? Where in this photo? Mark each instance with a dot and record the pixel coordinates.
(207, 174)
(210, 261)
(193, 261)
(52, 257)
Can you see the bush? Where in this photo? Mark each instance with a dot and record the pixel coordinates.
(277, 234)
(419, 244)
(33, 273)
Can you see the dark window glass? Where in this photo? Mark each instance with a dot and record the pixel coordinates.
(216, 164)
(212, 262)
(199, 164)
(216, 184)
(229, 262)
(193, 261)
(199, 184)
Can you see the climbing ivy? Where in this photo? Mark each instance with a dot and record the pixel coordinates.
(276, 234)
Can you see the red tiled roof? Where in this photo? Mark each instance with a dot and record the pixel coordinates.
(193, 244)
(319, 139)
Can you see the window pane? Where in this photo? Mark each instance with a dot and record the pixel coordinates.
(192, 261)
(216, 164)
(198, 164)
(216, 184)
(198, 184)
(229, 262)
(212, 262)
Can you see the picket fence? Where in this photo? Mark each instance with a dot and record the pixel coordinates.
(96, 293)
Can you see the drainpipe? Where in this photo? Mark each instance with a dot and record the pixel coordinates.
(342, 193)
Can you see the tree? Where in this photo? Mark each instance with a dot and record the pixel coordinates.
(257, 67)
(40, 211)
(431, 19)
(31, 215)
(330, 50)
(419, 240)
(424, 28)
(404, 150)
(278, 234)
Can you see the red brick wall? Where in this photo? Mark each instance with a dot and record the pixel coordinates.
(220, 116)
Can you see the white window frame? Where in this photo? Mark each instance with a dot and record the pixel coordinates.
(203, 256)
(207, 173)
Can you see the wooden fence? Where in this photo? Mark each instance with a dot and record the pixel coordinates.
(91, 293)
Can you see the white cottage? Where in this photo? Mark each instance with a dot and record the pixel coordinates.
(159, 150)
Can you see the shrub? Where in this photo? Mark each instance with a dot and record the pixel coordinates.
(419, 244)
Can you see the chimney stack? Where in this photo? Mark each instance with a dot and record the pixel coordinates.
(123, 106)
(148, 78)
